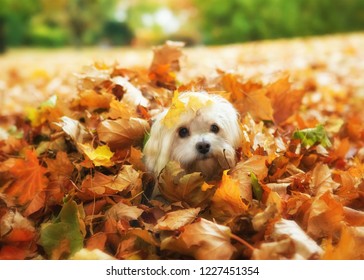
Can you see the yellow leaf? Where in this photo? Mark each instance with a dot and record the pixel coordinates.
(180, 106)
(101, 156)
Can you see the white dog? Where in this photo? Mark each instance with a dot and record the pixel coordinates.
(201, 131)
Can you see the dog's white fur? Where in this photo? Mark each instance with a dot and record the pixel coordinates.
(165, 144)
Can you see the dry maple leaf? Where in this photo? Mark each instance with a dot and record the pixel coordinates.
(285, 100)
(30, 178)
(291, 242)
(74, 129)
(120, 110)
(177, 219)
(321, 180)
(227, 202)
(101, 156)
(122, 133)
(204, 240)
(325, 216)
(16, 228)
(124, 211)
(102, 185)
(241, 173)
(94, 100)
(248, 98)
(165, 63)
(175, 185)
(349, 247)
(60, 170)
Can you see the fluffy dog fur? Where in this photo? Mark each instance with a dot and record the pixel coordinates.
(201, 131)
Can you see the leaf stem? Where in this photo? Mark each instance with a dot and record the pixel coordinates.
(242, 241)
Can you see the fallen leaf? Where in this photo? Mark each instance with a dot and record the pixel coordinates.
(122, 133)
(62, 237)
(124, 211)
(30, 178)
(101, 156)
(203, 240)
(177, 219)
(285, 100)
(291, 242)
(74, 129)
(325, 216)
(165, 64)
(226, 202)
(175, 185)
(312, 136)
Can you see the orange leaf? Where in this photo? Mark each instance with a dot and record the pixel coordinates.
(30, 178)
(165, 63)
(92, 99)
(15, 228)
(325, 216)
(226, 200)
(285, 100)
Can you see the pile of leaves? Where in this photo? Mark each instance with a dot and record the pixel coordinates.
(73, 184)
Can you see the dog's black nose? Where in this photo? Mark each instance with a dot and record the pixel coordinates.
(203, 147)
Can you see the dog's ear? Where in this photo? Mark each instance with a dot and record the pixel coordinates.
(157, 150)
(230, 119)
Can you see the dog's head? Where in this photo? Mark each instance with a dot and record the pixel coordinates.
(201, 131)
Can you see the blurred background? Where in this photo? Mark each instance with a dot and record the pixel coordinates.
(79, 23)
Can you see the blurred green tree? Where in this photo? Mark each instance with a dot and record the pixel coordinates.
(243, 20)
(14, 21)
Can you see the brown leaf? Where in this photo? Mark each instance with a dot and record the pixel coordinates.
(175, 185)
(241, 173)
(321, 180)
(291, 242)
(204, 240)
(122, 133)
(124, 211)
(325, 216)
(177, 219)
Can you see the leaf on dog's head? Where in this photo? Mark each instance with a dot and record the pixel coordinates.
(179, 107)
(175, 111)
(203, 240)
(175, 185)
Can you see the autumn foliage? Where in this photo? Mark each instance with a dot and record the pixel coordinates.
(73, 184)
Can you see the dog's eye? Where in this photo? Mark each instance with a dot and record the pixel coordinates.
(183, 132)
(214, 128)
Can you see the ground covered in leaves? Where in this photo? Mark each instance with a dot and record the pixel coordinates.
(73, 183)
